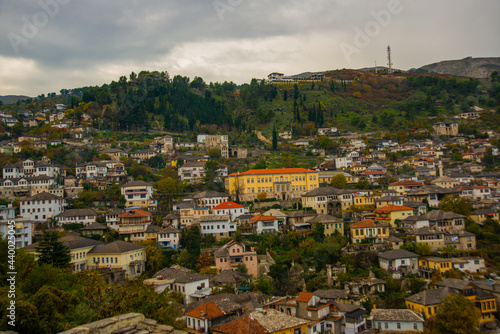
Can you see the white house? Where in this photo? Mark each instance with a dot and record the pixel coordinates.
(169, 238)
(399, 260)
(179, 279)
(76, 216)
(397, 320)
(473, 264)
(41, 207)
(232, 209)
(112, 219)
(264, 224)
(481, 192)
(137, 193)
(219, 226)
(343, 162)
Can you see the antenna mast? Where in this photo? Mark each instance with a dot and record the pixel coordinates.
(389, 62)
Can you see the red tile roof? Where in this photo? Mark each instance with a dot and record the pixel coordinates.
(228, 205)
(135, 213)
(243, 325)
(407, 183)
(481, 187)
(305, 297)
(210, 309)
(391, 208)
(373, 172)
(262, 218)
(274, 171)
(364, 223)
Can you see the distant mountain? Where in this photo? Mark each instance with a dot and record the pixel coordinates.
(467, 67)
(11, 99)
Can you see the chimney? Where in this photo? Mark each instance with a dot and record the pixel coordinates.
(440, 168)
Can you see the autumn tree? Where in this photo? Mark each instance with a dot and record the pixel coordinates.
(455, 315)
(205, 260)
(262, 196)
(339, 181)
(456, 204)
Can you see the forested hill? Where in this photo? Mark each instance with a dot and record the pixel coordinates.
(347, 99)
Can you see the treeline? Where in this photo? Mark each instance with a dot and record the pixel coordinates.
(133, 103)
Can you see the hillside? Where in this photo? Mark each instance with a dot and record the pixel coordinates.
(467, 67)
(11, 99)
(351, 100)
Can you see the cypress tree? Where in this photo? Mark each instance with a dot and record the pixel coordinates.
(275, 138)
(52, 251)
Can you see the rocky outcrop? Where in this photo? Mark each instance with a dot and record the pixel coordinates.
(130, 323)
(467, 67)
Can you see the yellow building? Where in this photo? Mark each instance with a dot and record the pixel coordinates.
(363, 200)
(429, 265)
(427, 302)
(79, 249)
(402, 187)
(326, 176)
(484, 301)
(369, 230)
(390, 213)
(280, 183)
(119, 255)
(331, 224)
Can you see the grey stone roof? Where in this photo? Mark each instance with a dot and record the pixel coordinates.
(397, 254)
(95, 227)
(181, 275)
(484, 212)
(229, 277)
(322, 218)
(71, 240)
(325, 191)
(137, 183)
(331, 294)
(152, 228)
(209, 194)
(396, 315)
(76, 212)
(44, 196)
(436, 215)
(169, 229)
(116, 247)
(453, 283)
(430, 297)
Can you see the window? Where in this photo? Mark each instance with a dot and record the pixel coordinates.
(415, 326)
(386, 325)
(398, 325)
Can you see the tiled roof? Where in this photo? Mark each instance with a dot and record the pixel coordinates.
(243, 325)
(228, 205)
(436, 215)
(72, 241)
(364, 223)
(262, 219)
(135, 213)
(430, 296)
(397, 254)
(322, 218)
(331, 294)
(94, 227)
(305, 297)
(274, 171)
(453, 283)
(275, 321)
(391, 207)
(76, 212)
(396, 315)
(116, 247)
(137, 183)
(407, 183)
(214, 309)
(181, 275)
(43, 196)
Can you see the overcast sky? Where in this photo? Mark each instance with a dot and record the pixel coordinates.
(48, 45)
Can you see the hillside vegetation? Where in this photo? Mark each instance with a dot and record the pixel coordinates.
(347, 99)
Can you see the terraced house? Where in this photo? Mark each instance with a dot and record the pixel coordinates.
(369, 230)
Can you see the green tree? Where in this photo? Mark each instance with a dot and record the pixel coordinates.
(242, 268)
(264, 286)
(211, 178)
(339, 181)
(52, 251)
(423, 249)
(456, 204)
(455, 315)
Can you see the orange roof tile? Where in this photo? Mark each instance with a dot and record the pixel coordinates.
(274, 171)
(480, 187)
(243, 325)
(391, 207)
(135, 213)
(262, 218)
(211, 311)
(305, 297)
(228, 205)
(364, 223)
